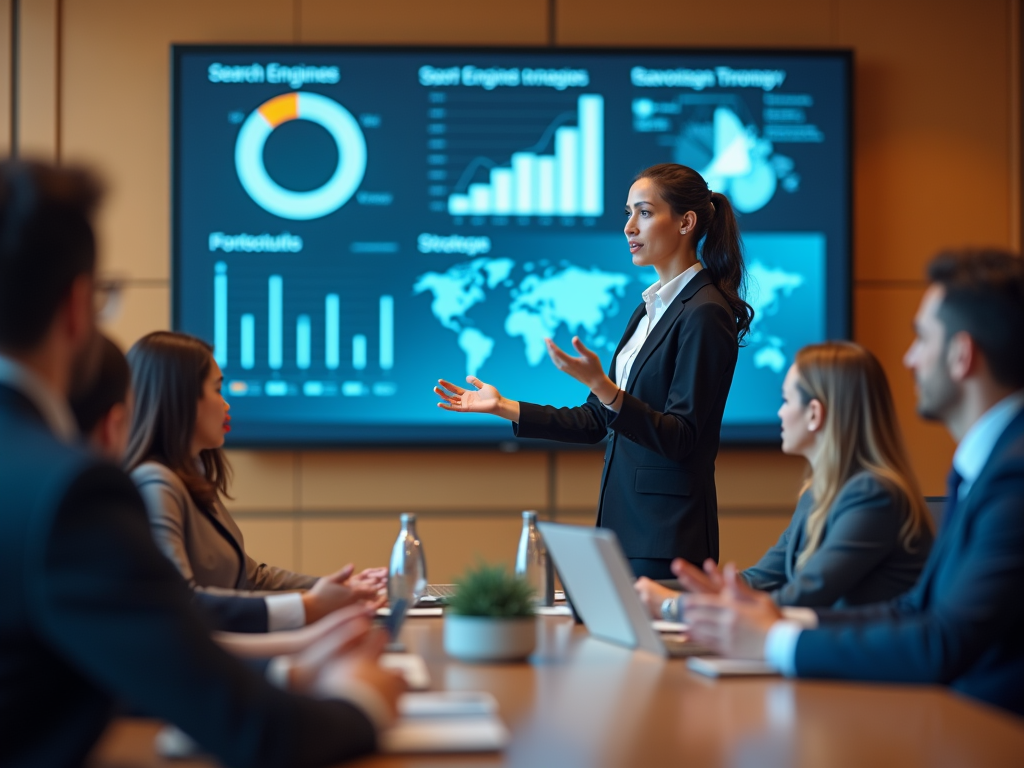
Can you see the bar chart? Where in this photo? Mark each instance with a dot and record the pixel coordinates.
(344, 350)
(567, 182)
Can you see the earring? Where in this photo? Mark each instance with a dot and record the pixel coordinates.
(682, 231)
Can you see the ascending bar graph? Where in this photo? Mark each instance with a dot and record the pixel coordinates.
(220, 313)
(332, 331)
(304, 330)
(387, 333)
(248, 346)
(275, 322)
(569, 182)
(303, 343)
(359, 352)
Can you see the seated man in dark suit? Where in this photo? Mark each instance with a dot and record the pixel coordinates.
(92, 613)
(103, 412)
(962, 625)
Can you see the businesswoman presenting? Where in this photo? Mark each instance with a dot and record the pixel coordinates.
(662, 399)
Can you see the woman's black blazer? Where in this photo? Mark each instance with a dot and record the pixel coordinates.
(658, 484)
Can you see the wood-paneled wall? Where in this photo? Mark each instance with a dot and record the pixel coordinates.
(937, 145)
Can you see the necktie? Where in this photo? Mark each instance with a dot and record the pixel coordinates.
(953, 481)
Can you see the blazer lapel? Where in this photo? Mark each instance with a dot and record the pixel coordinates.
(229, 529)
(951, 531)
(795, 544)
(638, 314)
(660, 331)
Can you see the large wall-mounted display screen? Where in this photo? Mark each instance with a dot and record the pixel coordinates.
(351, 224)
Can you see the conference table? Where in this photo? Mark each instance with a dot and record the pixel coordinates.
(581, 702)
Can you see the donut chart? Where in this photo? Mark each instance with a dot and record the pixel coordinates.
(286, 203)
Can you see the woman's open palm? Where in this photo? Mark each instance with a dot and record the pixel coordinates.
(484, 399)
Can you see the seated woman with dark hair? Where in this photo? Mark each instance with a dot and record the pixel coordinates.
(103, 411)
(861, 532)
(176, 459)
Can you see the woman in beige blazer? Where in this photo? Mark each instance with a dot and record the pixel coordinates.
(176, 458)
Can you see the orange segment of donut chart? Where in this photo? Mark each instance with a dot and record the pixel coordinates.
(281, 109)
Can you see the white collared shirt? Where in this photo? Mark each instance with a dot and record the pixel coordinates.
(976, 446)
(657, 299)
(52, 406)
(972, 454)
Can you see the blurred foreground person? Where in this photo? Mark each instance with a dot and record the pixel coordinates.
(92, 612)
(103, 412)
(176, 458)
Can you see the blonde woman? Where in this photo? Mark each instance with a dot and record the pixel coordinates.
(861, 532)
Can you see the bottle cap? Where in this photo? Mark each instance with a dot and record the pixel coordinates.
(530, 514)
(408, 517)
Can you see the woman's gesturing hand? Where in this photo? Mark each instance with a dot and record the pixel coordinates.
(586, 369)
(483, 399)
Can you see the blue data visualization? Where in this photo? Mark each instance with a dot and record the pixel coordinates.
(351, 224)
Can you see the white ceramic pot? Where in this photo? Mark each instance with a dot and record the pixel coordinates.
(482, 638)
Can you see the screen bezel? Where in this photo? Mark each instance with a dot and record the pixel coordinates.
(839, 298)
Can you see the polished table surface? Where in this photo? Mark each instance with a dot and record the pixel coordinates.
(582, 702)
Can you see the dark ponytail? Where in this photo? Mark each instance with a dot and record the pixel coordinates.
(721, 254)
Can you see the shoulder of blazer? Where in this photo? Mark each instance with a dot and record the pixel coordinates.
(1007, 457)
(704, 305)
(155, 473)
(863, 486)
(701, 290)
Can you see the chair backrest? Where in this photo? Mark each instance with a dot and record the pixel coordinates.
(937, 506)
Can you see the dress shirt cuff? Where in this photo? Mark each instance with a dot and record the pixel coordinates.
(277, 672)
(780, 646)
(805, 617)
(285, 611)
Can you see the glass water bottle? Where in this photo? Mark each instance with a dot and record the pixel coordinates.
(533, 562)
(407, 571)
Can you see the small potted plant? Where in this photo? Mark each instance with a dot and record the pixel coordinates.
(491, 617)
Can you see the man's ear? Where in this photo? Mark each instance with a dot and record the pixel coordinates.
(962, 356)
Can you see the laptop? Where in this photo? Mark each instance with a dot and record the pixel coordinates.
(599, 584)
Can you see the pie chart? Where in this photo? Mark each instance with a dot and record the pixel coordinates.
(739, 167)
(287, 203)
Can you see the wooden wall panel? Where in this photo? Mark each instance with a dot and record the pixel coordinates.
(933, 130)
(409, 480)
(5, 77)
(116, 105)
(464, 22)
(670, 23)
(326, 544)
(579, 479)
(271, 540)
(451, 543)
(264, 481)
(744, 538)
(884, 318)
(141, 308)
(38, 80)
(758, 480)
